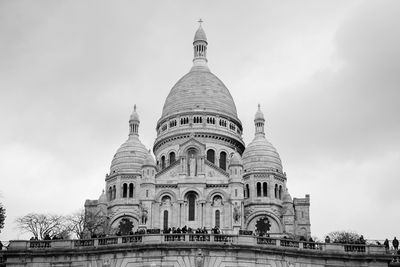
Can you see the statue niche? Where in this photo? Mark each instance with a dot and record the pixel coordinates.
(192, 162)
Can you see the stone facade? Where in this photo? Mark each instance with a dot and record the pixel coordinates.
(203, 175)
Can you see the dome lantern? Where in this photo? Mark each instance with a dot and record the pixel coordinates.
(200, 47)
(134, 122)
(259, 121)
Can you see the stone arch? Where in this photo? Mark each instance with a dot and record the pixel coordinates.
(258, 214)
(163, 192)
(117, 217)
(221, 164)
(197, 191)
(169, 156)
(216, 191)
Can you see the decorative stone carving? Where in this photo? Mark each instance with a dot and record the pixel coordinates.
(236, 213)
(199, 258)
(143, 214)
(248, 212)
(192, 166)
(217, 201)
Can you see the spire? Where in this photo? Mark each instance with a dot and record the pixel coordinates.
(200, 47)
(259, 121)
(134, 123)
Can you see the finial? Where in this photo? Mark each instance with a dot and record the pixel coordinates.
(259, 106)
(134, 107)
(200, 21)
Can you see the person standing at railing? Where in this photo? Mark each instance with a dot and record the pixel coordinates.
(386, 244)
(395, 244)
(327, 239)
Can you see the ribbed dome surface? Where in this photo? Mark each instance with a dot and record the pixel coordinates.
(130, 156)
(199, 90)
(236, 160)
(103, 197)
(149, 161)
(261, 155)
(287, 197)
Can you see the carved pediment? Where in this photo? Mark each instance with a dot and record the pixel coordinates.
(172, 172)
(189, 144)
(213, 171)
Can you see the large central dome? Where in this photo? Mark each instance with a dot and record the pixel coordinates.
(199, 90)
(199, 105)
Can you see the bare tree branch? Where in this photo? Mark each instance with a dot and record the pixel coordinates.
(42, 225)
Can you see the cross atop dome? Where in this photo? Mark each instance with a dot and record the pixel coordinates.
(200, 21)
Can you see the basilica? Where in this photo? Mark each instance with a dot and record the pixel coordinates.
(203, 175)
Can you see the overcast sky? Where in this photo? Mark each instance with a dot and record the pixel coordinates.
(326, 74)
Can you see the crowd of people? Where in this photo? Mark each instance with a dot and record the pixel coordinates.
(189, 230)
(47, 237)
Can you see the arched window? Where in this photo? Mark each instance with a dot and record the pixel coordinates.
(247, 190)
(110, 193)
(265, 189)
(171, 158)
(192, 206)
(276, 191)
(222, 160)
(131, 190)
(125, 190)
(165, 215)
(280, 192)
(114, 192)
(211, 155)
(258, 189)
(162, 162)
(217, 218)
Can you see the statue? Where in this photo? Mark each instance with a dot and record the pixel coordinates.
(192, 166)
(236, 213)
(144, 215)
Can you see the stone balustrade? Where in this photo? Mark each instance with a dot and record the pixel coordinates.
(220, 239)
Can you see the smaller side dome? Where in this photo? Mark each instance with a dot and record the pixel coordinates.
(286, 197)
(149, 161)
(103, 198)
(260, 154)
(236, 160)
(129, 157)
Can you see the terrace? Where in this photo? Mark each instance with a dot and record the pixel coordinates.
(193, 239)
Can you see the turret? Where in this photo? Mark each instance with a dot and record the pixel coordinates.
(134, 122)
(200, 47)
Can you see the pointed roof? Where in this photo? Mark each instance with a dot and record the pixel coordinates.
(200, 35)
(134, 115)
(259, 115)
